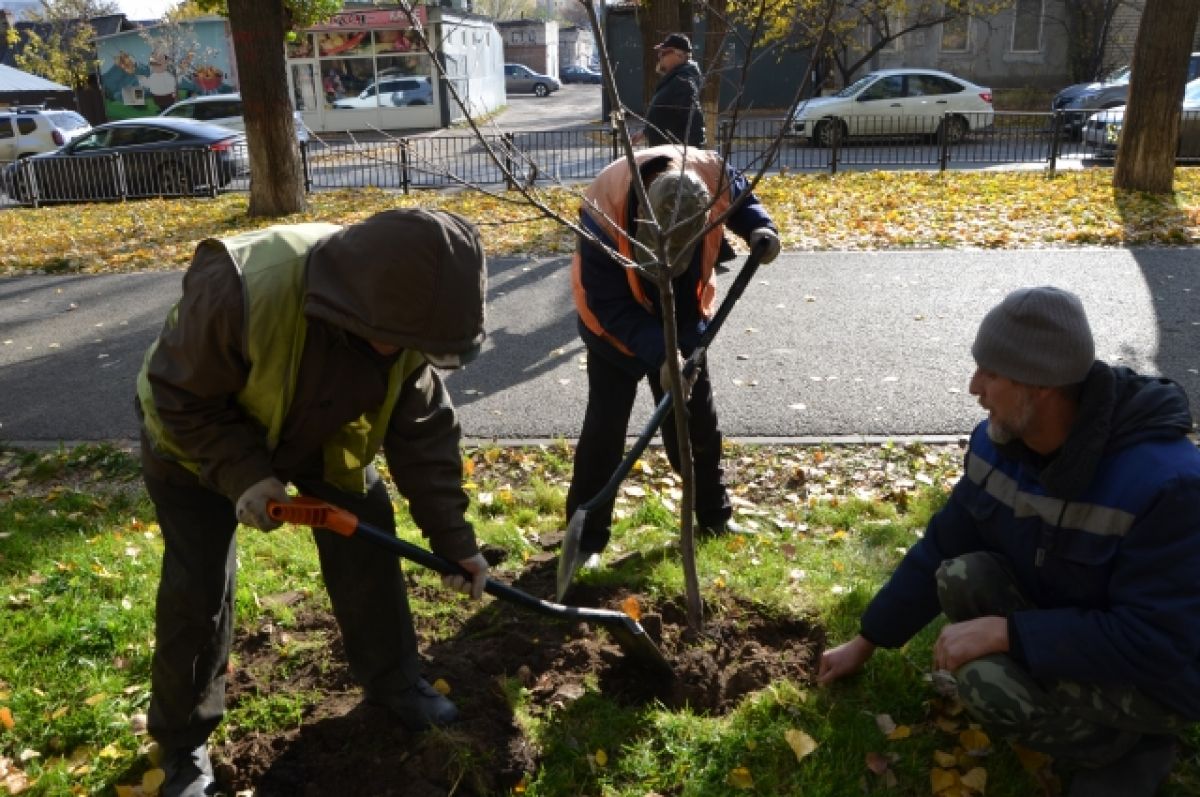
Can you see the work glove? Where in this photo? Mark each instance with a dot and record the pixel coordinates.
(771, 237)
(252, 505)
(664, 378)
(477, 566)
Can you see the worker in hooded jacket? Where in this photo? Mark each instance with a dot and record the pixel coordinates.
(294, 356)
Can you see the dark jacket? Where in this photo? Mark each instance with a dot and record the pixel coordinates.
(1103, 537)
(673, 115)
(620, 313)
(201, 362)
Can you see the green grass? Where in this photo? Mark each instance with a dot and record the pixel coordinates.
(78, 568)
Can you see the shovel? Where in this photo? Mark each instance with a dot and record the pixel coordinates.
(628, 632)
(569, 556)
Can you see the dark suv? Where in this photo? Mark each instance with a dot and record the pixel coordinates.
(1078, 101)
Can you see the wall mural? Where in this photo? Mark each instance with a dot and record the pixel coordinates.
(144, 72)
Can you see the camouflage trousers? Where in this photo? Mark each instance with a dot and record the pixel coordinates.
(1082, 723)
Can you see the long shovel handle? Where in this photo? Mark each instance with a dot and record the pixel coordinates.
(736, 289)
(306, 511)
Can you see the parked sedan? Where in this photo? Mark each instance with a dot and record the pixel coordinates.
(225, 110)
(580, 74)
(1079, 101)
(1103, 130)
(897, 102)
(151, 156)
(519, 79)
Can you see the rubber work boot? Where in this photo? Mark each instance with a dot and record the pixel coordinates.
(419, 707)
(189, 773)
(1138, 773)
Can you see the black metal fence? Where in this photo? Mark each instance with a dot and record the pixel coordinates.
(446, 160)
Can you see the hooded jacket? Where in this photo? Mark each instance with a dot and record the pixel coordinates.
(620, 314)
(1103, 537)
(673, 115)
(265, 366)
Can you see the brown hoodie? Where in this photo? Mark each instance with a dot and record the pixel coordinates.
(200, 364)
(411, 278)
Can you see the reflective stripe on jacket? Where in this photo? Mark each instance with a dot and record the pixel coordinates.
(607, 212)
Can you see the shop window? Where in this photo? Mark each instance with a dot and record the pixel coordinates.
(301, 46)
(397, 41)
(344, 43)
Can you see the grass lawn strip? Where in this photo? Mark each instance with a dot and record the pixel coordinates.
(79, 556)
(850, 211)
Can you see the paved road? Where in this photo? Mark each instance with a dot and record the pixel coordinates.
(821, 345)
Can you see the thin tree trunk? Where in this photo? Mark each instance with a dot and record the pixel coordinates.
(276, 178)
(715, 29)
(1150, 135)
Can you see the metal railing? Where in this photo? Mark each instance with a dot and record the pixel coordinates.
(446, 160)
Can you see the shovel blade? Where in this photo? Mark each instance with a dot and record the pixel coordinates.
(569, 556)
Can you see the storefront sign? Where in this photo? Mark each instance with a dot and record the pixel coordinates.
(379, 18)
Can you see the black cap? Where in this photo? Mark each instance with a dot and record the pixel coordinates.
(676, 41)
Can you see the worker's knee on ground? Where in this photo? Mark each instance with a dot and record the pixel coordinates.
(975, 585)
(995, 698)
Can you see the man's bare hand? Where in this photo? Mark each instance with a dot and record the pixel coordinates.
(846, 659)
(960, 643)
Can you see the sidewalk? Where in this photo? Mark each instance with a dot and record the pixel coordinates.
(846, 345)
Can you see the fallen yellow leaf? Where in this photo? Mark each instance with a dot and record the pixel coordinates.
(94, 699)
(601, 758)
(944, 760)
(901, 732)
(974, 740)
(943, 780)
(740, 778)
(1033, 761)
(801, 743)
(441, 687)
(976, 779)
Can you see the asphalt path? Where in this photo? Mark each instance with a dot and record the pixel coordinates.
(822, 345)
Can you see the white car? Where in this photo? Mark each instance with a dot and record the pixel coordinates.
(1102, 130)
(896, 102)
(391, 92)
(224, 110)
(28, 130)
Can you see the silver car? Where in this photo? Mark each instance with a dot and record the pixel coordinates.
(1078, 102)
(1103, 130)
(520, 79)
(224, 110)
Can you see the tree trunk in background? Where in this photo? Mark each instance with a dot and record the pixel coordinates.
(716, 27)
(655, 20)
(1150, 135)
(258, 28)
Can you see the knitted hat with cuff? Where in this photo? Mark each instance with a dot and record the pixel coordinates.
(1036, 336)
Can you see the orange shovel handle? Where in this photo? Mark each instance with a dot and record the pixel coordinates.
(305, 511)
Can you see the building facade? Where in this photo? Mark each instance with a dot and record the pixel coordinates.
(357, 71)
(533, 43)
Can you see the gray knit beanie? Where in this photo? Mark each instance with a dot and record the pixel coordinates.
(1037, 336)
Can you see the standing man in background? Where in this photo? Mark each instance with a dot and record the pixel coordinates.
(673, 115)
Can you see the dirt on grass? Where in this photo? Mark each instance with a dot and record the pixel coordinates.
(343, 746)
